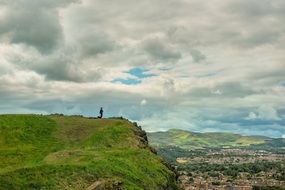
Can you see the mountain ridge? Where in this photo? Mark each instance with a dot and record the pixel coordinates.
(193, 140)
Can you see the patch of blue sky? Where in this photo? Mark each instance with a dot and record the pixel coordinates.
(140, 73)
(128, 81)
(137, 74)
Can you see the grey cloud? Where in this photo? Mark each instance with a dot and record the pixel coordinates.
(260, 21)
(251, 39)
(61, 71)
(256, 9)
(34, 23)
(235, 89)
(92, 44)
(268, 77)
(240, 24)
(197, 55)
(57, 66)
(42, 4)
(159, 50)
(222, 90)
(29, 28)
(65, 70)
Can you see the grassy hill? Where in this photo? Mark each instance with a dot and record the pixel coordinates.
(190, 140)
(73, 152)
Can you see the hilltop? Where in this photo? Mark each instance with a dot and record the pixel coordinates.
(190, 140)
(74, 152)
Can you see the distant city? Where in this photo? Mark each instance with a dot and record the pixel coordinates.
(217, 161)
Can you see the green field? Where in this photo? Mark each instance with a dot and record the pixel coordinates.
(190, 140)
(73, 152)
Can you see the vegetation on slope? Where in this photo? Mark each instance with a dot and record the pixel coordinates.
(60, 152)
(190, 140)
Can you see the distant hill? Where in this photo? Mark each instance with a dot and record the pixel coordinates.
(190, 140)
(73, 152)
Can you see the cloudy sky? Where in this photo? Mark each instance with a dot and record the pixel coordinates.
(199, 65)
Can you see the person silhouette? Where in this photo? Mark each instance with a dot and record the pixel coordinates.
(101, 112)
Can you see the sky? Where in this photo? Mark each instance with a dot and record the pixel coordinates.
(198, 65)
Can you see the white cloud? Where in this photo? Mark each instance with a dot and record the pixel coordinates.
(251, 116)
(220, 72)
(217, 92)
(267, 113)
(264, 112)
(143, 102)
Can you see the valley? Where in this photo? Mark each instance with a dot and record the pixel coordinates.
(259, 165)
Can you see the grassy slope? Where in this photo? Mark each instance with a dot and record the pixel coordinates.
(186, 139)
(59, 152)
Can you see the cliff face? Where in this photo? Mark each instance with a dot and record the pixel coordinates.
(60, 152)
(145, 144)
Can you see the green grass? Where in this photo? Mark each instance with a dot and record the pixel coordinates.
(26, 140)
(60, 152)
(189, 140)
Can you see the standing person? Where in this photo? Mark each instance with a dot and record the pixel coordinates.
(101, 112)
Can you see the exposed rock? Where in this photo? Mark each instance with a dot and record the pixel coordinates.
(144, 144)
(141, 134)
